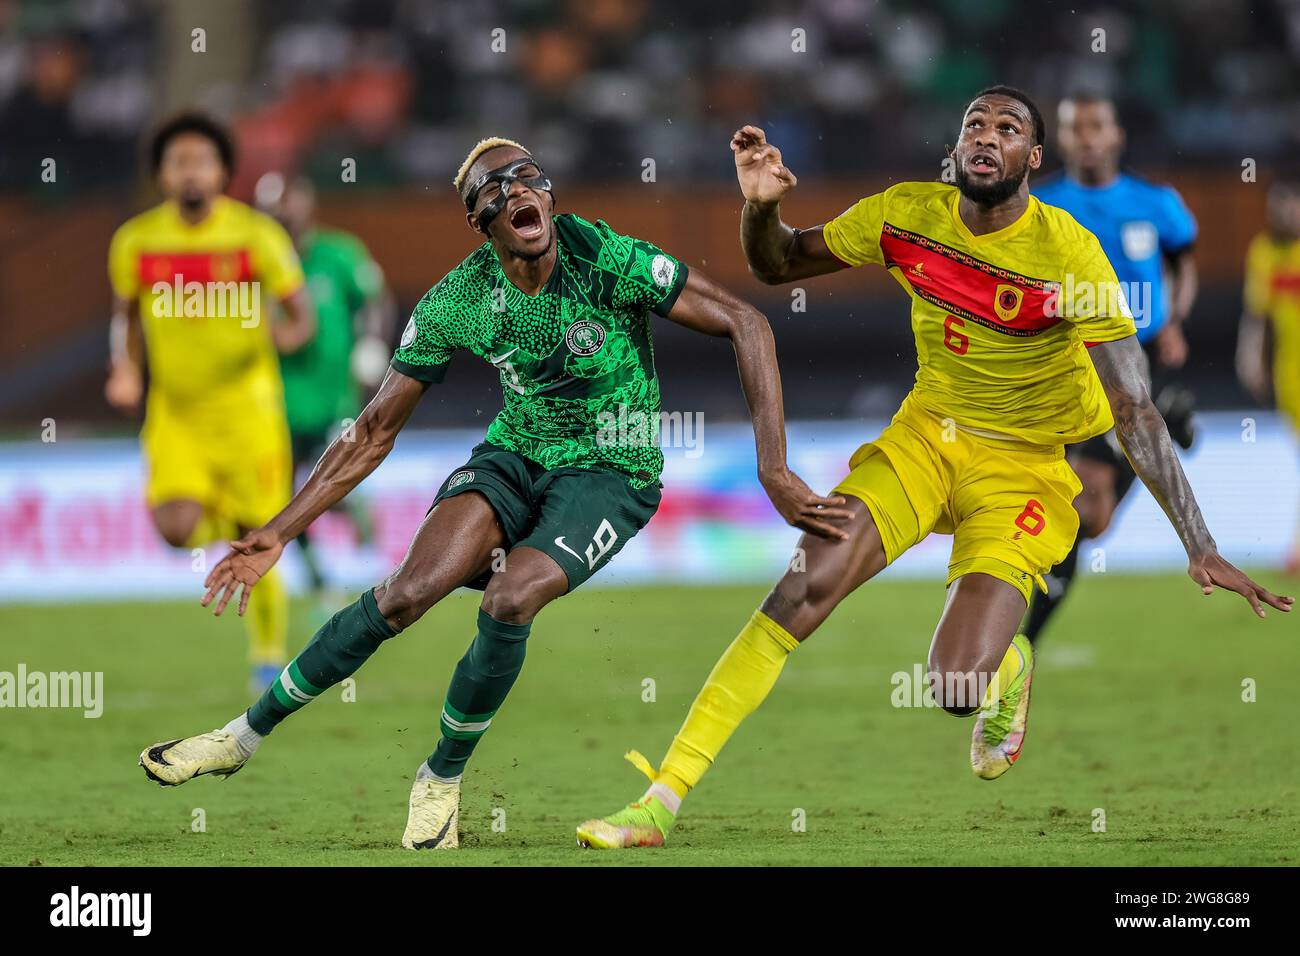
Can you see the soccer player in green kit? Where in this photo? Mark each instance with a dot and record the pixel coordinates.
(562, 308)
(322, 381)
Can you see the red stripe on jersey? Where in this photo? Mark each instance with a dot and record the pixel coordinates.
(951, 279)
(1287, 283)
(232, 266)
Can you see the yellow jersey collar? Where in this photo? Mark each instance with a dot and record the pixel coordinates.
(1005, 232)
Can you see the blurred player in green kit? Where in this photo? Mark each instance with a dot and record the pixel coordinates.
(324, 380)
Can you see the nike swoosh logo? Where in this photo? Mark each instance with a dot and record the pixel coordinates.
(560, 541)
(494, 359)
(443, 832)
(437, 841)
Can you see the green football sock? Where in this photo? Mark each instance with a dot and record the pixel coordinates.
(341, 646)
(478, 688)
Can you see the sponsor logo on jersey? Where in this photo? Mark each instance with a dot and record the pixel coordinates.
(663, 270)
(408, 333)
(460, 478)
(585, 337)
(1006, 301)
(1139, 240)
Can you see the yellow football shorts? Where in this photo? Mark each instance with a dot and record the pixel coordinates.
(231, 454)
(1008, 504)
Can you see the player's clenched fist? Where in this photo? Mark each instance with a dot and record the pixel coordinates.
(762, 176)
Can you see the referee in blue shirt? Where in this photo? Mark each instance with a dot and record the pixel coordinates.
(1148, 234)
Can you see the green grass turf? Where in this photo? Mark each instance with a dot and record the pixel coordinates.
(1137, 710)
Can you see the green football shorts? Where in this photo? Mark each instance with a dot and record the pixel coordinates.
(581, 517)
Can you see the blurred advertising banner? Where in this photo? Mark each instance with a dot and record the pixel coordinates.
(73, 525)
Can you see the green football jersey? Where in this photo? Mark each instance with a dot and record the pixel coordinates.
(319, 389)
(576, 359)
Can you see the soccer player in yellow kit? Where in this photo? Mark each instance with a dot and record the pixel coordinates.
(1270, 320)
(1013, 307)
(194, 279)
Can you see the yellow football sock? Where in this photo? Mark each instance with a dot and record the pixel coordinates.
(1007, 671)
(736, 686)
(267, 620)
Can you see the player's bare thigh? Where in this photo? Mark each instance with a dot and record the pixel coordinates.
(979, 620)
(823, 572)
(454, 546)
(1097, 502)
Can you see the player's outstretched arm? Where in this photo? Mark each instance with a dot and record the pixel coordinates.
(1121, 365)
(776, 253)
(348, 460)
(707, 307)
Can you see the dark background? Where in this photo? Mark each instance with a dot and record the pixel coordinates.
(595, 88)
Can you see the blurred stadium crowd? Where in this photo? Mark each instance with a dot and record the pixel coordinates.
(600, 84)
(857, 93)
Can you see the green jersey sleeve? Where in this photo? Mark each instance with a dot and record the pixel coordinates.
(637, 274)
(428, 340)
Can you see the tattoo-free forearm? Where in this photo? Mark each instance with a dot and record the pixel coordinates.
(125, 335)
(760, 379)
(766, 240)
(352, 456)
(298, 326)
(343, 466)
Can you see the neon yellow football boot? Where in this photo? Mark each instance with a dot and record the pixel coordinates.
(999, 735)
(645, 822)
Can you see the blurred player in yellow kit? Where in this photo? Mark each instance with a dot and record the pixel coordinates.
(1024, 343)
(1270, 321)
(194, 281)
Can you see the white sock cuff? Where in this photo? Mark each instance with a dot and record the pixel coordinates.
(248, 738)
(424, 773)
(665, 795)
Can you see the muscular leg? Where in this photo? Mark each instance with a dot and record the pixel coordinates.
(484, 676)
(1096, 505)
(803, 599)
(741, 679)
(453, 546)
(979, 619)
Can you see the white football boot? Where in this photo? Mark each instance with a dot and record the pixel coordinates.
(431, 823)
(173, 762)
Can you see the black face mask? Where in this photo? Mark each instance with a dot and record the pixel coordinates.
(506, 176)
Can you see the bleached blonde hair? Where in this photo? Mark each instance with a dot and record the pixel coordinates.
(481, 147)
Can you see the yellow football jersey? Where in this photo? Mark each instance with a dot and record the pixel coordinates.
(207, 295)
(1001, 320)
(1273, 292)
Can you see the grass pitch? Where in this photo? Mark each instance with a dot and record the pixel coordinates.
(1138, 713)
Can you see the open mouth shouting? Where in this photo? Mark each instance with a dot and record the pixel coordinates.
(526, 221)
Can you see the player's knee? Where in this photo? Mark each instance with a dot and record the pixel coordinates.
(1095, 518)
(957, 691)
(511, 604)
(174, 535)
(174, 528)
(402, 600)
(801, 590)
